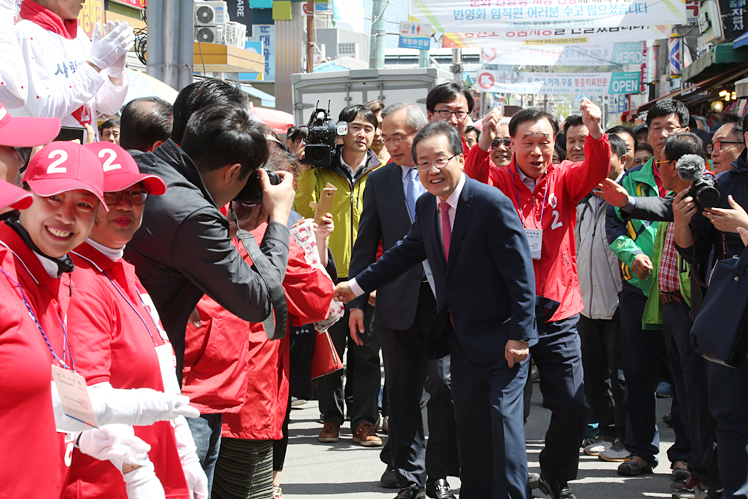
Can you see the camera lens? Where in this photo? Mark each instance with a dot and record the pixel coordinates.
(709, 197)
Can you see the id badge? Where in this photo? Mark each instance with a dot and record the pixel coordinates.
(535, 238)
(74, 395)
(168, 363)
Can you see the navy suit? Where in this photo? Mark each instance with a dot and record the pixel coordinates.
(406, 308)
(485, 295)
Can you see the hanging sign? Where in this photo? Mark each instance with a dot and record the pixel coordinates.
(558, 83)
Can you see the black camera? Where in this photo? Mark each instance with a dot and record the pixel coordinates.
(320, 137)
(705, 192)
(252, 192)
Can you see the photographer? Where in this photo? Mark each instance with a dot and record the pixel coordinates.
(348, 171)
(183, 249)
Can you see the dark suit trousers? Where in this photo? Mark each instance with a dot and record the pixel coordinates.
(405, 372)
(367, 378)
(558, 355)
(490, 429)
(689, 371)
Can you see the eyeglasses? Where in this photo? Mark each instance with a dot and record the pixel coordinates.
(507, 143)
(717, 146)
(446, 114)
(396, 140)
(671, 129)
(136, 196)
(439, 163)
(658, 163)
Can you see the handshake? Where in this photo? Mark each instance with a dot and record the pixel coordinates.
(343, 292)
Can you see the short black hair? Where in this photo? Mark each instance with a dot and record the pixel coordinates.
(736, 121)
(617, 145)
(446, 93)
(110, 123)
(573, 120)
(439, 128)
(145, 120)
(471, 128)
(560, 151)
(532, 114)
(666, 108)
(198, 95)
(680, 144)
(349, 113)
(375, 105)
(643, 146)
(619, 129)
(223, 134)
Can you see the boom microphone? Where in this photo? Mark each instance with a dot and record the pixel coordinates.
(690, 167)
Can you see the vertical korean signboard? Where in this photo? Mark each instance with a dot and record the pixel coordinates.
(91, 13)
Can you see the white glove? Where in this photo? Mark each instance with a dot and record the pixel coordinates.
(197, 481)
(117, 68)
(143, 483)
(107, 48)
(116, 443)
(139, 407)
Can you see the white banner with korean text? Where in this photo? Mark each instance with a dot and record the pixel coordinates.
(513, 82)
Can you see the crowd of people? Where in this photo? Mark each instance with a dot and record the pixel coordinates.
(178, 294)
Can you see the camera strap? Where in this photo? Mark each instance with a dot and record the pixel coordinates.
(275, 324)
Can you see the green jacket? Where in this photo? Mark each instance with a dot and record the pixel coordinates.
(630, 238)
(347, 206)
(652, 318)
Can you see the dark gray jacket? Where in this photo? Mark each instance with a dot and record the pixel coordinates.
(183, 250)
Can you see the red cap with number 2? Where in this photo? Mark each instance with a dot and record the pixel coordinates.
(121, 171)
(65, 166)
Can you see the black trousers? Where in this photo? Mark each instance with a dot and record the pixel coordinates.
(407, 372)
(367, 375)
(604, 383)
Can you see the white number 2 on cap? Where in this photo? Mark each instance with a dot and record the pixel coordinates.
(109, 164)
(55, 167)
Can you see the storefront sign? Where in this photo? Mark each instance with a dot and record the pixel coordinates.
(572, 55)
(91, 13)
(558, 83)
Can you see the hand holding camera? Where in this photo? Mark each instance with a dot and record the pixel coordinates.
(277, 199)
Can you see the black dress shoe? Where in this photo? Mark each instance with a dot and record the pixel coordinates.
(412, 491)
(389, 479)
(439, 489)
(558, 490)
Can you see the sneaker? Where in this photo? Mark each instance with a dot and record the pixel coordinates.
(617, 453)
(664, 390)
(680, 472)
(366, 435)
(558, 490)
(297, 402)
(277, 493)
(692, 490)
(633, 467)
(330, 432)
(534, 479)
(596, 446)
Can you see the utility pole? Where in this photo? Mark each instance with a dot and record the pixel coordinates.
(378, 32)
(423, 58)
(310, 36)
(457, 64)
(170, 48)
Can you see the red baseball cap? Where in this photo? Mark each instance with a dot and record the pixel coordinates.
(14, 197)
(121, 171)
(26, 132)
(65, 166)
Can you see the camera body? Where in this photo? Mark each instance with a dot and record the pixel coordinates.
(252, 192)
(322, 131)
(705, 192)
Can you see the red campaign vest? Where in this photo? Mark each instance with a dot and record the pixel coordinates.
(115, 339)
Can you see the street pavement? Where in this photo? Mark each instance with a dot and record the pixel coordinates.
(314, 470)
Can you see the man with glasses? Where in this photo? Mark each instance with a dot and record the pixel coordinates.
(633, 243)
(485, 308)
(451, 103)
(727, 143)
(405, 310)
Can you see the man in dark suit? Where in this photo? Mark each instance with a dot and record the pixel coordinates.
(406, 307)
(482, 269)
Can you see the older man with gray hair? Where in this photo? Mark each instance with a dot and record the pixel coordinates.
(405, 309)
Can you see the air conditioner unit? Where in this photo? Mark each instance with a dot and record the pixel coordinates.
(235, 34)
(209, 34)
(348, 49)
(210, 13)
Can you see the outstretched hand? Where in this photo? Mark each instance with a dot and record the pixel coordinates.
(613, 193)
(592, 117)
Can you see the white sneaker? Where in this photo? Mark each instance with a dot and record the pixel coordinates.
(617, 453)
(597, 446)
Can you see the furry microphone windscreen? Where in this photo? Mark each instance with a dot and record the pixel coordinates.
(690, 167)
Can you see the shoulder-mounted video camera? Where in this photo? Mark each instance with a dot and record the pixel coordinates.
(320, 135)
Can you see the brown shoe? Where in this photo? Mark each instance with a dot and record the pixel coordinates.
(366, 435)
(330, 432)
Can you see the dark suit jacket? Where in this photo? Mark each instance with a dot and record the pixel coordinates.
(385, 218)
(487, 288)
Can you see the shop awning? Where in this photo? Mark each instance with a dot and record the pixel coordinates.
(714, 62)
(740, 41)
(264, 98)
